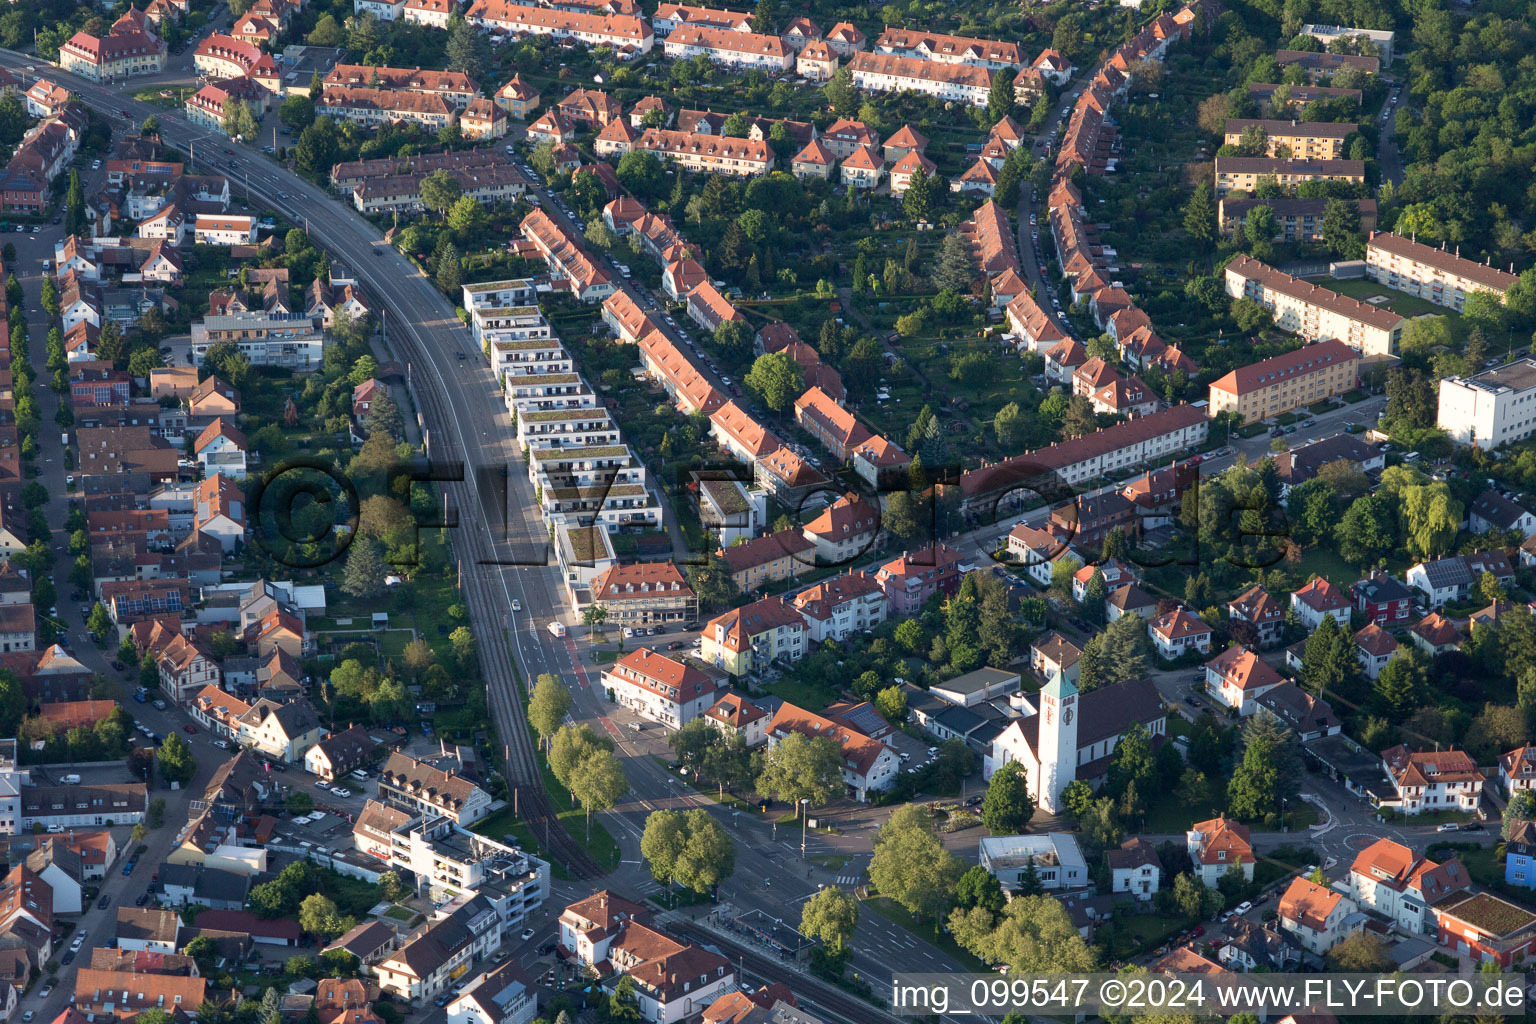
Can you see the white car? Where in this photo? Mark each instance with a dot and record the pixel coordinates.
(1450, 826)
(517, 605)
(1242, 908)
(341, 791)
(628, 632)
(527, 934)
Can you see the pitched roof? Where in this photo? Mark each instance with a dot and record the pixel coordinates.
(1321, 596)
(1220, 836)
(860, 752)
(1243, 669)
(1303, 361)
(1449, 263)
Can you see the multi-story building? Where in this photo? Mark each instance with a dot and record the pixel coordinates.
(1312, 311)
(468, 929)
(1380, 39)
(671, 16)
(1318, 65)
(284, 340)
(375, 107)
(629, 36)
(1316, 916)
(1285, 382)
(567, 258)
(1302, 140)
(1218, 846)
(911, 579)
(750, 638)
(729, 47)
(1486, 928)
(1296, 220)
(645, 594)
(1491, 408)
(837, 608)
(884, 72)
(407, 782)
(868, 764)
(671, 693)
(1247, 172)
(129, 49)
(1389, 879)
(1437, 276)
(743, 158)
(221, 56)
(1158, 438)
(1433, 780)
(1237, 677)
(455, 87)
(991, 54)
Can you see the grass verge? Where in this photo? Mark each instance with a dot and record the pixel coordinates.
(942, 940)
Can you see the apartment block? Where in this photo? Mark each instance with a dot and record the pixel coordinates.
(1287, 382)
(1305, 140)
(1313, 311)
(1245, 172)
(1435, 275)
(1491, 408)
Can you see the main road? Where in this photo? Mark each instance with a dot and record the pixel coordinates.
(501, 539)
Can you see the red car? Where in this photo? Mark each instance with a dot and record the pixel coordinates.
(190, 728)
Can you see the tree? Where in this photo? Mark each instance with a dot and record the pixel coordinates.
(1008, 805)
(891, 702)
(978, 887)
(1119, 652)
(99, 623)
(1364, 952)
(734, 339)
(297, 112)
(623, 1007)
(463, 50)
(1341, 229)
(911, 865)
(1000, 98)
(467, 218)
(177, 765)
(239, 123)
(1368, 530)
(548, 705)
(662, 842)
(440, 190)
(830, 916)
(327, 32)
(74, 206)
(800, 768)
(316, 148)
(1399, 687)
(318, 916)
(569, 745)
(642, 173)
(777, 379)
(1431, 518)
(1200, 216)
(1011, 426)
(840, 93)
(917, 200)
(365, 570)
(708, 856)
(1254, 791)
(1328, 663)
(957, 265)
(599, 783)
(1520, 809)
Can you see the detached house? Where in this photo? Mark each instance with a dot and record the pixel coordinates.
(1384, 599)
(1317, 917)
(1216, 847)
(1134, 868)
(283, 732)
(1236, 678)
(1442, 780)
(1517, 770)
(845, 529)
(672, 693)
(1375, 648)
(1389, 879)
(1318, 599)
(1255, 607)
(221, 449)
(1177, 632)
(1451, 579)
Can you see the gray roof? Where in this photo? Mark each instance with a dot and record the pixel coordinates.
(146, 924)
(977, 681)
(1493, 507)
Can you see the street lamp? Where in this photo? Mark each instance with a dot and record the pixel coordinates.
(1284, 803)
(805, 811)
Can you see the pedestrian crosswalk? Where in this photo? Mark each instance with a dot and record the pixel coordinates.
(849, 879)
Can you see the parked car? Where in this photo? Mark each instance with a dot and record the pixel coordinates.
(101, 904)
(527, 934)
(1449, 826)
(189, 729)
(1242, 908)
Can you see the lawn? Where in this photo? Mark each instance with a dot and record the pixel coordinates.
(897, 915)
(1398, 302)
(803, 693)
(1146, 931)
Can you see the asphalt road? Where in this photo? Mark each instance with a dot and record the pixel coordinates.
(770, 875)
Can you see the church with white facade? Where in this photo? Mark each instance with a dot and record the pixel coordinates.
(1071, 735)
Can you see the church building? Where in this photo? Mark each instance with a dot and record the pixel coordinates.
(1071, 735)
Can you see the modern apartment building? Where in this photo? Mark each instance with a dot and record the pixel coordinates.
(1491, 408)
(1313, 311)
(1435, 275)
(1287, 382)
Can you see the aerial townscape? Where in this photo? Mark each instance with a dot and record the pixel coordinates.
(602, 511)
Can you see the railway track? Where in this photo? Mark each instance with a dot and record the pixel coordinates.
(812, 993)
(488, 605)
